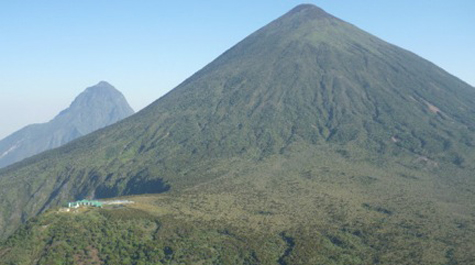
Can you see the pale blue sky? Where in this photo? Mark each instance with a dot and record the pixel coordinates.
(51, 50)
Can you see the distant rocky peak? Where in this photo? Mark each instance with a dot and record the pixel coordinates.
(102, 87)
(100, 93)
(96, 107)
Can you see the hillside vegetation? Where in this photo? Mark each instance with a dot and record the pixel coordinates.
(309, 142)
(250, 227)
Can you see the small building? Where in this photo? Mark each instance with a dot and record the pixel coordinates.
(77, 204)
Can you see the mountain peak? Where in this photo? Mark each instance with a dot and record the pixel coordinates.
(100, 94)
(103, 84)
(306, 7)
(309, 11)
(96, 107)
(311, 129)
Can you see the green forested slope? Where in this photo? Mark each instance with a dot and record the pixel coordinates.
(309, 123)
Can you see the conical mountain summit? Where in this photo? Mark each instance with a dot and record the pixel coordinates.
(309, 131)
(95, 108)
(309, 75)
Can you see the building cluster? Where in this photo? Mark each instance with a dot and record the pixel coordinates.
(77, 204)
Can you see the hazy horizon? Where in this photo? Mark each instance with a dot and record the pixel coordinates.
(55, 50)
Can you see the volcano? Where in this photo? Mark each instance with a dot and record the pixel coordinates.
(311, 140)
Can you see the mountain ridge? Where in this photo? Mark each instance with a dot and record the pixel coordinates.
(96, 107)
(307, 129)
